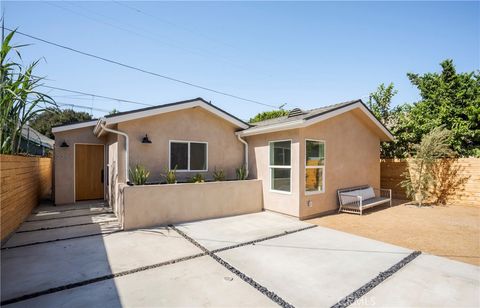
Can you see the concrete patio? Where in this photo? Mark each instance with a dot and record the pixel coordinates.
(261, 259)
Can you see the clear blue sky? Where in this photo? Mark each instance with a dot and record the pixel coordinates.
(306, 55)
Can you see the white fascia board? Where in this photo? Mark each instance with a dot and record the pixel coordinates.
(73, 126)
(160, 110)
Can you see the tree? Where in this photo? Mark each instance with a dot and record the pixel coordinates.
(44, 121)
(267, 115)
(379, 102)
(114, 111)
(451, 99)
(419, 177)
(448, 99)
(20, 99)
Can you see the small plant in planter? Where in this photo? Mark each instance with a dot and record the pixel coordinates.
(139, 175)
(171, 176)
(241, 173)
(218, 175)
(197, 178)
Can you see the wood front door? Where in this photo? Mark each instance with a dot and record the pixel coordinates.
(89, 171)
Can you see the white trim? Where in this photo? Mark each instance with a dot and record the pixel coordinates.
(270, 167)
(305, 123)
(323, 167)
(188, 155)
(180, 106)
(73, 126)
(74, 171)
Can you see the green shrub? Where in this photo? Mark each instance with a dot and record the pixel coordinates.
(218, 175)
(241, 173)
(139, 175)
(171, 176)
(197, 178)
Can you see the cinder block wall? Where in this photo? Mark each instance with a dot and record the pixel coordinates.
(24, 181)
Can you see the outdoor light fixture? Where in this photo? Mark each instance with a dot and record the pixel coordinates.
(64, 144)
(146, 140)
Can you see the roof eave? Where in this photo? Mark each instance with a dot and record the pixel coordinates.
(387, 136)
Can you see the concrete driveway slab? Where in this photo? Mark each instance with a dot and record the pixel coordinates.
(197, 282)
(27, 238)
(34, 268)
(224, 232)
(66, 221)
(59, 213)
(428, 281)
(315, 267)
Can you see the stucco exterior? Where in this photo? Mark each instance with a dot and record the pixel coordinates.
(153, 205)
(64, 161)
(194, 124)
(352, 158)
(259, 159)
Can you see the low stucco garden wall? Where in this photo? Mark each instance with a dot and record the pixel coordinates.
(152, 205)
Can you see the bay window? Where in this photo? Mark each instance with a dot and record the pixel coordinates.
(280, 166)
(314, 166)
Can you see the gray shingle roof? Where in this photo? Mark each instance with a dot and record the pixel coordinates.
(305, 115)
(36, 137)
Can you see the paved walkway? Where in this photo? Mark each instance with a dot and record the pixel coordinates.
(262, 259)
(52, 223)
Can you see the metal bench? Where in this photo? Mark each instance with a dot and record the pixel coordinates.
(356, 199)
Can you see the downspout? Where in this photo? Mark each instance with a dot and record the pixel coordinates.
(246, 153)
(102, 125)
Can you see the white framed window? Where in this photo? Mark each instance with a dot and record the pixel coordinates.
(188, 155)
(280, 166)
(314, 166)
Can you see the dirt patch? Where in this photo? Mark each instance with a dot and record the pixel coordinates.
(447, 231)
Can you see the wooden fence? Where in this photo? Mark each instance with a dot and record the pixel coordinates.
(466, 170)
(24, 181)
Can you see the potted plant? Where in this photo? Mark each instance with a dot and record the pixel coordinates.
(139, 175)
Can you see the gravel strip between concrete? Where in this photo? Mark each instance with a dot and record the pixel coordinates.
(98, 279)
(270, 294)
(352, 297)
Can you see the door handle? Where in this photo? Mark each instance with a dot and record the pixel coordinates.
(102, 176)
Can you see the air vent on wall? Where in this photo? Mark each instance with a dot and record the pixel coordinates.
(295, 112)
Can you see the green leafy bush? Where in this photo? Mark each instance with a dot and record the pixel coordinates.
(218, 175)
(139, 175)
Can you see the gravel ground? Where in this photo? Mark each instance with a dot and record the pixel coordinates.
(447, 231)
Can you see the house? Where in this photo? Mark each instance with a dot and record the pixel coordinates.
(34, 143)
(300, 159)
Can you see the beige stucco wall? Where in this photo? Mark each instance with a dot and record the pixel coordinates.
(112, 170)
(195, 124)
(64, 162)
(153, 205)
(259, 156)
(352, 158)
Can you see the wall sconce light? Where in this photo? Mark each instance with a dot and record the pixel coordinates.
(146, 140)
(64, 144)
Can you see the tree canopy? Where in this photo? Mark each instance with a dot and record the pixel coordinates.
(448, 99)
(44, 121)
(267, 115)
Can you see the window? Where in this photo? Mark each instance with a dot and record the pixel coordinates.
(280, 165)
(314, 166)
(188, 156)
